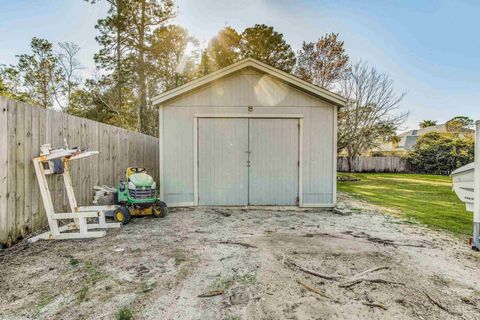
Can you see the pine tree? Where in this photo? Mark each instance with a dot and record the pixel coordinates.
(263, 43)
(170, 66)
(224, 49)
(114, 56)
(124, 38)
(145, 17)
(205, 65)
(39, 72)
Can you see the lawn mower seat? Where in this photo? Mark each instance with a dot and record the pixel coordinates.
(133, 170)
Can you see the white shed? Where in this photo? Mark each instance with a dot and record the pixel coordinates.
(248, 134)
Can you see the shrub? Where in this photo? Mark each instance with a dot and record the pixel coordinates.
(441, 153)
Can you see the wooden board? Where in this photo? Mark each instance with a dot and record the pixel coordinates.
(3, 168)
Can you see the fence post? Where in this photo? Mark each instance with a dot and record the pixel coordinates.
(476, 190)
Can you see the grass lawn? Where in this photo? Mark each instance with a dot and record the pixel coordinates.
(423, 198)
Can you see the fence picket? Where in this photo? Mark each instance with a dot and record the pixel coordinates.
(375, 164)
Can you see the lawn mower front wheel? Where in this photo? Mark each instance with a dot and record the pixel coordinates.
(159, 209)
(122, 215)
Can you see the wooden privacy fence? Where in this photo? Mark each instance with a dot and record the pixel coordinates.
(375, 164)
(23, 128)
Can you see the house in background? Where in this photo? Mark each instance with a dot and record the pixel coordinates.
(407, 140)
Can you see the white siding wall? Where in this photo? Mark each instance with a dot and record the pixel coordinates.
(233, 95)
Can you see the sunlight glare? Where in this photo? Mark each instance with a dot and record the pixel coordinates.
(270, 92)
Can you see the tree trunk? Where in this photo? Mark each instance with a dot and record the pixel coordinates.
(119, 55)
(141, 73)
(45, 91)
(350, 161)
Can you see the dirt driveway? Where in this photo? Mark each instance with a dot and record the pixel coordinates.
(248, 264)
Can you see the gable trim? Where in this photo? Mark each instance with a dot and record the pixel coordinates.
(249, 62)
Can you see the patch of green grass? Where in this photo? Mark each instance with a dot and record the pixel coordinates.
(43, 302)
(248, 278)
(124, 314)
(94, 274)
(73, 261)
(222, 283)
(82, 294)
(232, 318)
(427, 199)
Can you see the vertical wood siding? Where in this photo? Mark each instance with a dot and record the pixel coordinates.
(274, 161)
(222, 156)
(233, 95)
(23, 128)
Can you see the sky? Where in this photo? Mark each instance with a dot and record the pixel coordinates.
(430, 49)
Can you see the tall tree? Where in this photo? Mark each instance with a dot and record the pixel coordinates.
(427, 123)
(263, 43)
(125, 47)
(113, 56)
(39, 72)
(371, 113)
(145, 17)
(260, 42)
(171, 66)
(224, 48)
(205, 65)
(70, 78)
(323, 62)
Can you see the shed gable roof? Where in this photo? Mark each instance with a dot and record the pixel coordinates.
(255, 64)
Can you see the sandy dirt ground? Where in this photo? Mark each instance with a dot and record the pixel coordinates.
(234, 263)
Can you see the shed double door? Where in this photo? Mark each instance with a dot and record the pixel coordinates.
(248, 161)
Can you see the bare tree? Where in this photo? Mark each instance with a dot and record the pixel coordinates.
(69, 73)
(371, 113)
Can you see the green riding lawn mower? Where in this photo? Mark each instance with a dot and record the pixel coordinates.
(137, 196)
